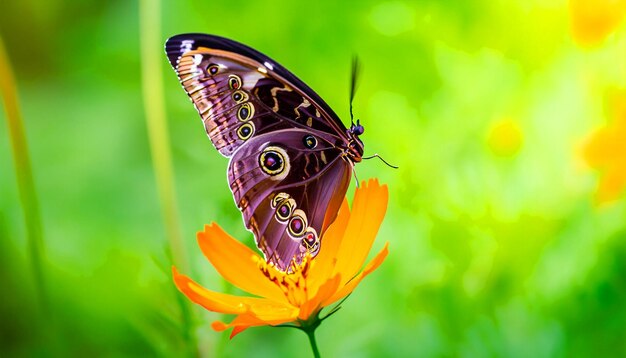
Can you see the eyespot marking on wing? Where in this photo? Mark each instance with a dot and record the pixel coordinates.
(311, 241)
(309, 141)
(234, 82)
(297, 224)
(245, 131)
(245, 112)
(274, 161)
(212, 69)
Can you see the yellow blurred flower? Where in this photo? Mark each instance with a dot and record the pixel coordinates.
(606, 150)
(594, 20)
(505, 138)
(299, 296)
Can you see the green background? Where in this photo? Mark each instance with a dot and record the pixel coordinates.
(495, 249)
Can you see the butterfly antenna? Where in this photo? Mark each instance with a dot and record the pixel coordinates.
(381, 158)
(353, 83)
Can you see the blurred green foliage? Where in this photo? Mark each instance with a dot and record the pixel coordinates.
(496, 245)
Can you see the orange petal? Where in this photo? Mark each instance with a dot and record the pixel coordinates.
(221, 326)
(216, 301)
(237, 330)
(324, 262)
(594, 20)
(350, 286)
(325, 291)
(233, 260)
(368, 211)
(246, 320)
(271, 311)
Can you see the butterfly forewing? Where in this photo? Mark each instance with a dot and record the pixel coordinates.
(288, 171)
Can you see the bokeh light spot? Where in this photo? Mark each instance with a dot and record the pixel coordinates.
(505, 138)
(594, 20)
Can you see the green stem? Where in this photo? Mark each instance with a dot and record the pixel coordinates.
(151, 44)
(154, 105)
(23, 172)
(309, 326)
(311, 334)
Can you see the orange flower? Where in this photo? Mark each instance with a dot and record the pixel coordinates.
(296, 297)
(594, 20)
(606, 150)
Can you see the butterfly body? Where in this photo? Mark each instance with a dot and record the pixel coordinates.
(291, 158)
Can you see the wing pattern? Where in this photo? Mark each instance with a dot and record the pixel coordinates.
(288, 169)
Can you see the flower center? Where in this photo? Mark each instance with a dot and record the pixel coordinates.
(292, 282)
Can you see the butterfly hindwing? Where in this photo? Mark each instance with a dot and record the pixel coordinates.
(289, 185)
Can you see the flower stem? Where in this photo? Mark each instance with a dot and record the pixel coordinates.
(151, 43)
(309, 326)
(24, 174)
(311, 334)
(154, 99)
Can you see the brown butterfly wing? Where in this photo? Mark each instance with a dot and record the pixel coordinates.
(238, 97)
(256, 112)
(289, 205)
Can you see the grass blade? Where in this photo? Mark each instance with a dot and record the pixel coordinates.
(24, 174)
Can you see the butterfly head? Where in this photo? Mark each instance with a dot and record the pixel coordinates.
(357, 129)
(355, 146)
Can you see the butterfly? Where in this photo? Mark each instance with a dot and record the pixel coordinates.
(291, 157)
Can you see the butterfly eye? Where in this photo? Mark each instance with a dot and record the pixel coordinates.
(309, 141)
(234, 82)
(245, 111)
(245, 131)
(212, 69)
(357, 129)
